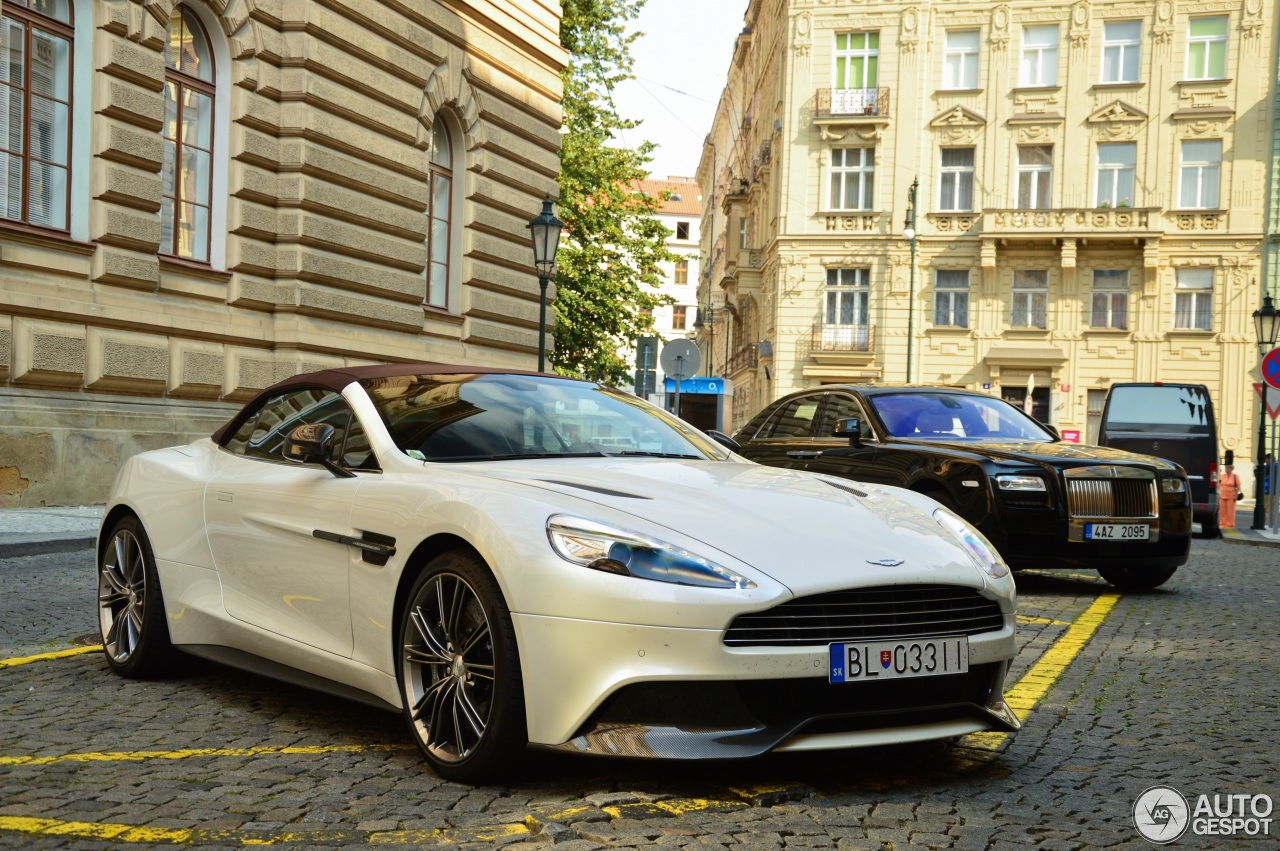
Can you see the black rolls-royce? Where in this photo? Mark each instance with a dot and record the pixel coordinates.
(1042, 502)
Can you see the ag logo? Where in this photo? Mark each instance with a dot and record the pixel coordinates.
(1161, 814)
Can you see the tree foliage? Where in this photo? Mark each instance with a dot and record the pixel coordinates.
(612, 244)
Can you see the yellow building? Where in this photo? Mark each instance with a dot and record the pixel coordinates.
(198, 199)
(1089, 209)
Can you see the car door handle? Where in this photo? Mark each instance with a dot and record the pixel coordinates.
(805, 453)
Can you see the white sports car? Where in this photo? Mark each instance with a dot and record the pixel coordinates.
(515, 559)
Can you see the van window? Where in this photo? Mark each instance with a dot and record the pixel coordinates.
(1170, 408)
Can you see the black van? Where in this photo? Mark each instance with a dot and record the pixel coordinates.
(1174, 422)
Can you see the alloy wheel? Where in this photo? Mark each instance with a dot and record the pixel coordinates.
(122, 591)
(449, 667)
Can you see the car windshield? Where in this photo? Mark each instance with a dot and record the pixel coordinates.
(470, 417)
(921, 415)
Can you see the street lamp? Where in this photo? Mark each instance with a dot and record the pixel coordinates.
(1266, 321)
(544, 230)
(909, 234)
(707, 319)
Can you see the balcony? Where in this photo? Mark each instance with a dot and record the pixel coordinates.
(843, 104)
(847, 339)
(746, 357)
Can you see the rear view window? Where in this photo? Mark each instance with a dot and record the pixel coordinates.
(1169, 408)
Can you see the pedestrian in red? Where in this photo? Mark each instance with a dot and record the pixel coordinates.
(1228, 493)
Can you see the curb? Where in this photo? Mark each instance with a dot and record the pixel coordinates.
(18, 546)
(1233, 536)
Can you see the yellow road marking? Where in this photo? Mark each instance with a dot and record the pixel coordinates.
(1035, 683)
(40, 657)
(1022, 697)
(135, 756)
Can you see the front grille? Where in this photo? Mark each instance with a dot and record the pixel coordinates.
(868, 614)
(1112, 497)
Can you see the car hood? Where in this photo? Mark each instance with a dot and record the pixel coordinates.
(1058, 454)
(801, 530)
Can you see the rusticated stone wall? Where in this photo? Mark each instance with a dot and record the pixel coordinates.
(323, 129)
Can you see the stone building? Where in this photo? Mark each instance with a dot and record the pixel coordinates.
(1090, 204)
(681, 213)
(202, 198)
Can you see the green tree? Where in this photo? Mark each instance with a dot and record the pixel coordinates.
(608, 274)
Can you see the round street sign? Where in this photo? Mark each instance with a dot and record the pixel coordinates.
(680, 358)
(1271, 368)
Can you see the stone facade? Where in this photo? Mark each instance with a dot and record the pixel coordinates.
(307, 233)
(1090, 204)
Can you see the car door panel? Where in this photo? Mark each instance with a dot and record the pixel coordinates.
(838, 456)
(786, 439)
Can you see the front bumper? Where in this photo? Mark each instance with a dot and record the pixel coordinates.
(626, 690)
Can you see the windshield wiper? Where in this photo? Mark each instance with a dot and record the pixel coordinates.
(645, 454)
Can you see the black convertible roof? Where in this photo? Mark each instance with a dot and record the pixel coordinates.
(336, 379)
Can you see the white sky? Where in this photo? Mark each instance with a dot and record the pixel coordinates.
(686, 47)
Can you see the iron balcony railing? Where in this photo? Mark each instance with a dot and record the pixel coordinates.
(833, 103)
(746, 357)
(843, 338)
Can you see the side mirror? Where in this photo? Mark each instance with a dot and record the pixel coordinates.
(724, 440)
(850, 428)
(313, 444)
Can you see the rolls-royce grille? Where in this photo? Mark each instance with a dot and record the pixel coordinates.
(1113, 497)
(868, 614)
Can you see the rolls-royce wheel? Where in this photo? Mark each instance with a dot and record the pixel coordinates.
(1128, 578)
(459, 671)
(135, 635)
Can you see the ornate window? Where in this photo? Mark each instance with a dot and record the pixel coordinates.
(951, 298)
(1199, 175)
(1115, 174)
(848, 308)
(187, 173)
(1121, 51)
(852, 178)
(1193, 300)
(35, 112)
(857, 60)
(960, 59)
(1035, 176)
(1207, 48)
(1039, 56)
(955, 193)
(1030, 298)
(1110, 307)
(440, 215)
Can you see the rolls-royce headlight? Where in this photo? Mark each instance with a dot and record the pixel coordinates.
(978, 547)
(626, 553)
(1173, 486)
(1010, 482)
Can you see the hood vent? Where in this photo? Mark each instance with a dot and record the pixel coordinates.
(847, 489)
(594, 489)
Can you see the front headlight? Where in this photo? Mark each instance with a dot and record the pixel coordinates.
(1011, 482)
(982, 553)
(612, 550)
(1173, 486)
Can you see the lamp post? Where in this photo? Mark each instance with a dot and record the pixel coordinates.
(909, 234)
(709, 322)
(544, 230)
(1266, 321)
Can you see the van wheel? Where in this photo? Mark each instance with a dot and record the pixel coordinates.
(1128, 578)
(1210, 529)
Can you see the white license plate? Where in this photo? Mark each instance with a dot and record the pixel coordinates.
(895, 660)
(1117, 532)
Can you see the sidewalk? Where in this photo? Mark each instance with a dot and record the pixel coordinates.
(1242, 534)
(36, 531)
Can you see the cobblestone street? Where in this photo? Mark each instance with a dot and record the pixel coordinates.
(1177, 687)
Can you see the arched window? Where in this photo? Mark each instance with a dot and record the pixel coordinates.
(187, 173)
(35, 112)
(440, 215)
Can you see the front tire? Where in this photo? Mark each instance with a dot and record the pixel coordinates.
(459, 671)
(1210, 528)
(131, 617)
(1128, 578)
